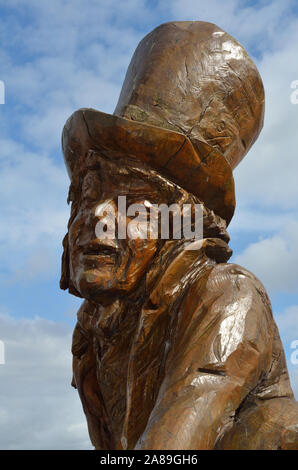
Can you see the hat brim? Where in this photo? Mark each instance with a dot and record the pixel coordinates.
(193, 165)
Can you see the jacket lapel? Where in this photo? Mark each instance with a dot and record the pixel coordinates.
(154, 331)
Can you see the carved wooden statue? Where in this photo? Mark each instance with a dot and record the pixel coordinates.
(174, 348)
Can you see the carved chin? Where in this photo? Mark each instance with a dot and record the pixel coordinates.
(93, 282)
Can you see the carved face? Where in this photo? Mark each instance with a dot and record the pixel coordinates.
(100, 268)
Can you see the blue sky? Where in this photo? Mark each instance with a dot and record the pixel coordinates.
(56, 57)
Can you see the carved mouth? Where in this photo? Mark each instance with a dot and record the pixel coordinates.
(96, 248)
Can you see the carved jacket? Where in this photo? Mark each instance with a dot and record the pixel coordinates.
(198, 365)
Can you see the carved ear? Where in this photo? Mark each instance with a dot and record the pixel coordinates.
(65, 281)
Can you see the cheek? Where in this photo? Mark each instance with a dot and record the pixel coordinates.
(142, 251)
(74, 236)
(135, 266)
(76, 230)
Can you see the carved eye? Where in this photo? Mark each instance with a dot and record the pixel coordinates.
(91, 187)
(221, 126)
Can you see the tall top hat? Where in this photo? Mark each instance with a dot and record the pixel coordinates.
(191, 106)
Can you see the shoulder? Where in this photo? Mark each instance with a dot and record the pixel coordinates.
(228, 306)
(224, 273)
(227, 277)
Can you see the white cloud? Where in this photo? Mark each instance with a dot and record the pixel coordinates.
(30, 193)
(294, 380)
(38, 407)
(75, 59)
(251, 220)
(274, 260)
(257, 26)
(267, 177)
(288, 323)
(33, 211)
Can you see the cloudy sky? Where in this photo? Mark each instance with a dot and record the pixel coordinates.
(61, 55)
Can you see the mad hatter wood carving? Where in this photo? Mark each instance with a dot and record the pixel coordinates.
(174, 348)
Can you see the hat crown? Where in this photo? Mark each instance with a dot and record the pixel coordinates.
(194, 78)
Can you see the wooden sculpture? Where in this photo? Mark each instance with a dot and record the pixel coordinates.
(174, 348)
